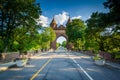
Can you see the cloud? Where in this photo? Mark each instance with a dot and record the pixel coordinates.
(76, 17)
(43, 20)
(61, 18)
(89, 17)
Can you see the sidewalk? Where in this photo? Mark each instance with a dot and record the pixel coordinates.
(108, 63)
(5, 66)
(112, 64)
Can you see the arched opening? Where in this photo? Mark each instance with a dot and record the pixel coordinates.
(61, 42)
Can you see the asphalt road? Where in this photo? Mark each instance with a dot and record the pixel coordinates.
(61, 65)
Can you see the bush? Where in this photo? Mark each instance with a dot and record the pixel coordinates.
(97, 57)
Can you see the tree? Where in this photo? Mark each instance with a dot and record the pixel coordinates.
(64, 44)
(113, 16)
(95, 32)
(58, 45)
(100, 37)
(103, 29)
(114, 6)
(75, 32)
(24, 40)
(92, 32)
(114, 11)
(14, 14)
(48, 36)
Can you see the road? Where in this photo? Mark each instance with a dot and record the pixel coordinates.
(61, 65)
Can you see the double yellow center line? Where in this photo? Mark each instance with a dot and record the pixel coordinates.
(35, 75)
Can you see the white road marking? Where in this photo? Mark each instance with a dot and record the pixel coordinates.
(82, 69)
(74, 61)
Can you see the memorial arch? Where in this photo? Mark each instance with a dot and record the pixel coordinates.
(60, 31)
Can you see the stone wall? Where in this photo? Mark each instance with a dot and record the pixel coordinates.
(105, 55)
(9, 57)
(90, 53)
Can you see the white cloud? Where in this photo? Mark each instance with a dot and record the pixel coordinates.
(61, 18)
(89, 17)
(76, 17)
(43, 20)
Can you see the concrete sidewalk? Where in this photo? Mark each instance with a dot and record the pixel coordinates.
(5, 66)
(107, 63)
(112, 64)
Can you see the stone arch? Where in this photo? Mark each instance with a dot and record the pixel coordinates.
(60, 37)
(60, 31)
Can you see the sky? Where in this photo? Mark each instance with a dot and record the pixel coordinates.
(61, 10)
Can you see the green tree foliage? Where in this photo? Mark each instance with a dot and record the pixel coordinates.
(103, 29)
(75, 32)
(58, 45)
(113, 17)
(1, 46)
(25, 40)
(93, 30)
(114, 12)
(14, 14)
(64, 44)
(114, 7)
(48, 36)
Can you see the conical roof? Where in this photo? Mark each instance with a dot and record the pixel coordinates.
(53, 21)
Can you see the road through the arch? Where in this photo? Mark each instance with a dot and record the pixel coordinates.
(64, 65)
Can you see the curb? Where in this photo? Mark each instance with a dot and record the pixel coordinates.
(113, 66)
(6, 66)
(109, 64)
(3, 69)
